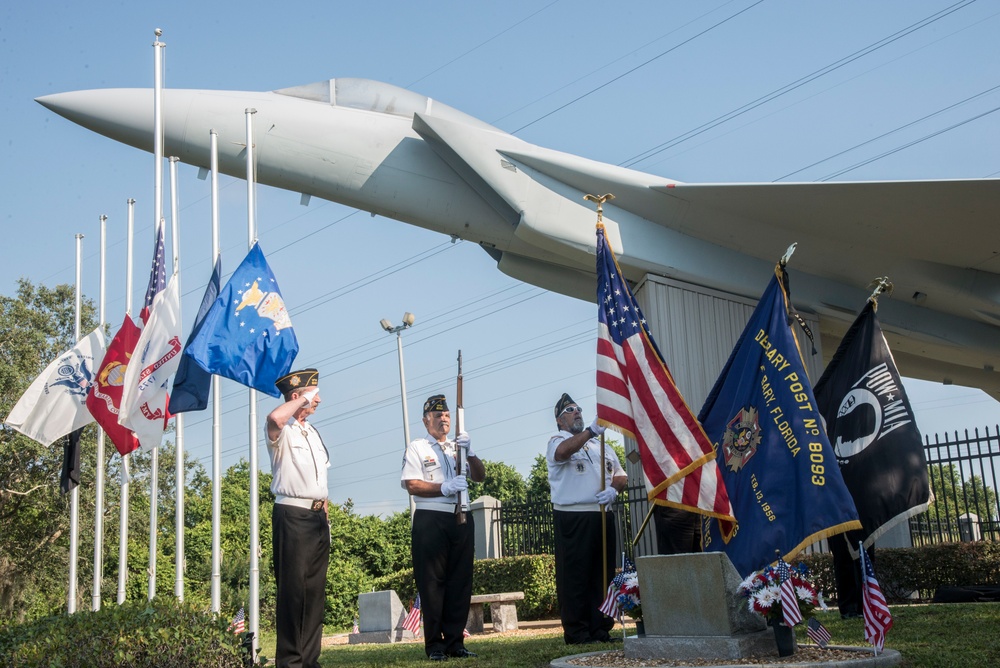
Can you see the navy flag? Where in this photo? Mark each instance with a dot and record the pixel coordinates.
(871, 426)
(247, 335)
(777, 463)
(191, 382)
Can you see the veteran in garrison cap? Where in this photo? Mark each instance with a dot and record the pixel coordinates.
(578, 501)
(442, 549)
(300, 524)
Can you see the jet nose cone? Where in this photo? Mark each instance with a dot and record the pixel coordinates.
(124, 114)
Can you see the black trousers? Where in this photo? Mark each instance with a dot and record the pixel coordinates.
(677, 531)
(847, 572)
(443, 552)
(579, 576)
(301, 545)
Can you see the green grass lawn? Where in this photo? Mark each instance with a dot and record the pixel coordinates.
(943, 635)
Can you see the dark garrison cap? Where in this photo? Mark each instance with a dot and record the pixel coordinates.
(297, 380)
(435, 403)
(564, 401)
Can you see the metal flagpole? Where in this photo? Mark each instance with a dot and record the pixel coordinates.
(99, 473)
(179, 418)
(154, 455)
(254, 492)
(74, 495)
(216, 407)
(123, 507)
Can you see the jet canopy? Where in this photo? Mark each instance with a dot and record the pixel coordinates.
(380, 97)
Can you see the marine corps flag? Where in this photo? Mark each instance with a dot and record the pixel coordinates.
(872, 429)
(777, 463)
(247, 335)
(105, 397)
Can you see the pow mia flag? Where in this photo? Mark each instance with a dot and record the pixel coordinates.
(872, 430)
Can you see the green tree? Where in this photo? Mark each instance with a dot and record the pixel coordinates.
(503, 482)
(954, 496)
(35, 327)
(538, 481)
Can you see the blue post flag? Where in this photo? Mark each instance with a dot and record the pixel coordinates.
(777, 463)
(192, 383)
(247, 335)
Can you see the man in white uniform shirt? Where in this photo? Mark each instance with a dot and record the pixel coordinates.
(575, 471)
(442, 549)
(299, 523)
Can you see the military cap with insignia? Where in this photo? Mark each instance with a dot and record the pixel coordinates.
(296, 380)
(435, 403)
(564, 401)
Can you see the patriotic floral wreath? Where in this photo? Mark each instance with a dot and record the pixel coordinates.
(763, 592)
(628, 596)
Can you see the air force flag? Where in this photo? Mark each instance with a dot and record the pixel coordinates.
(247, 335)
(777, 463)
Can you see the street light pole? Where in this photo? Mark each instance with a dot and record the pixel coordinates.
(398, 331)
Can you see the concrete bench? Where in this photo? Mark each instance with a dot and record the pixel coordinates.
(502, 611)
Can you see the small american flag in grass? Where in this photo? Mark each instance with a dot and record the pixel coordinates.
(239, 624)
(818, 633)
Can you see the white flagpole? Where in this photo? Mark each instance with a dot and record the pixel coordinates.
(74, 495)
(254, 493)
(179, 419)
(216, 406)
(123, 506)
(99, 473)
(154, 458)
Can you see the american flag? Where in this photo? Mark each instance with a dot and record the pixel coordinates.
(412, 621)
(465, 633)
(355, 629)
(157, 274)
(790, 612)
(610, 605)
(818, 632)
(636, 394)
(239, 624)
(878, 619)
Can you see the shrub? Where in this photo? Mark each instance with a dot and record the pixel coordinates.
(905, 573)
(163, 634)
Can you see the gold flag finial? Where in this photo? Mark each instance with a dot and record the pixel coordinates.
(607, 197)
(880, 285)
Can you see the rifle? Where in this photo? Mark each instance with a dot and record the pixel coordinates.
(461, 465)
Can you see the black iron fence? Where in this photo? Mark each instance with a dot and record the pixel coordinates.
(963, 475)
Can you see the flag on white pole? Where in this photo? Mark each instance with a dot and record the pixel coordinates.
(56, 401)
(156, 356)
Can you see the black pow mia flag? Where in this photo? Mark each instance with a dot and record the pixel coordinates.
(70, 476)
(872, 430)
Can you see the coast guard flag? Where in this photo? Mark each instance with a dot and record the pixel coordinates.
(56, 401)
(872, 429)
(105, 397)
(778, 465)
(156, 356)
(247, 335)
(636, 395)
(192, 383)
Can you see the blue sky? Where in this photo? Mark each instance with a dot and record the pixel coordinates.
(583, 77)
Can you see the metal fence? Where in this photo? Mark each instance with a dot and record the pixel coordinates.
(963, 477)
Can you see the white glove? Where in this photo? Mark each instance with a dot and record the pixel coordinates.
(309, 396)
(456, 484)
(607, 496)
(595, 428)
(463, 441)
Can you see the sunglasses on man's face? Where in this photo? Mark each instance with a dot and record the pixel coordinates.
(571, 409)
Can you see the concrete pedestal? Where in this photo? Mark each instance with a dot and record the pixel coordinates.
(692, 609)
(380, 619)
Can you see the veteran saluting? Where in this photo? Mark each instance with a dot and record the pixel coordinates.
(300, 526)
(443, 549)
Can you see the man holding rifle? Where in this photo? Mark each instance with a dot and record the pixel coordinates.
(579, 499)
(442, 544)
